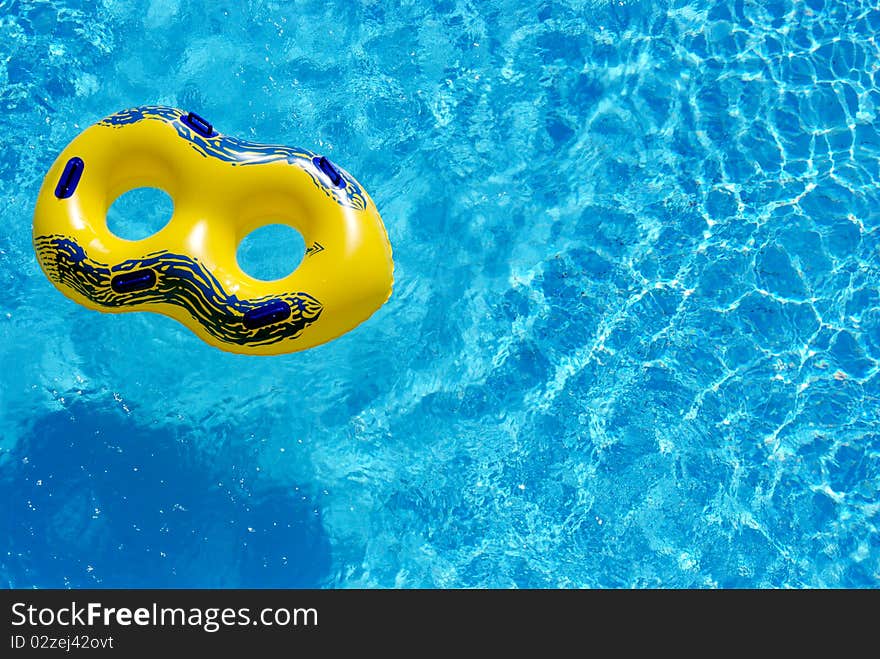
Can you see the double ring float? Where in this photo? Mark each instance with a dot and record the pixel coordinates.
(223, 188)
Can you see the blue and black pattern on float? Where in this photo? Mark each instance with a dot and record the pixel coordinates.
(242, 152)
(178, 280)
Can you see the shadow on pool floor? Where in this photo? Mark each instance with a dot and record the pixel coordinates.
(91, 499)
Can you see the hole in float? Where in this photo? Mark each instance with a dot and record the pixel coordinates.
(139, 213)
(271, 252)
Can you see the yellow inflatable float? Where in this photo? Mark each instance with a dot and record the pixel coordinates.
(223, 188)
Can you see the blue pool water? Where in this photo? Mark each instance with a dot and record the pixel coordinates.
(634, 337)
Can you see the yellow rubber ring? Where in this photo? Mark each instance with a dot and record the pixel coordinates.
(223, 188)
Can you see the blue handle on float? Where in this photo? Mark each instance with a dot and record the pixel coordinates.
(198, 124)
(136, 280)
(70, 177)
(332, 173)
(267, 314)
